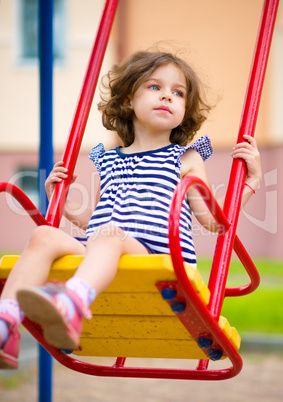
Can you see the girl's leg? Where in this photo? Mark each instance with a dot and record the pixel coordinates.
(32, 268)
(60, 310)
(103, 251)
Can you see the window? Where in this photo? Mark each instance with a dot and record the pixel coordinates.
(27, 180)
(28, 32)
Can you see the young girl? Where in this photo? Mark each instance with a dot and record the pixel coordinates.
(156, 106)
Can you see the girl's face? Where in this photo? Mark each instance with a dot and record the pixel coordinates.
(159, 103)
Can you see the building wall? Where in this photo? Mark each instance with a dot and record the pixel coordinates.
(19, 99)
(216, 37)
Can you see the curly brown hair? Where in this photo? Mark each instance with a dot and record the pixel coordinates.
(123, 80)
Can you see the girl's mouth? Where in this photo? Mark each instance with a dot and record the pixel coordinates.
(164, 109)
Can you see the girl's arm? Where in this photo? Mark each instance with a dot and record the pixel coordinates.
(192, 164)
(71, 208)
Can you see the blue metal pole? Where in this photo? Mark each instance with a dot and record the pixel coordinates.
(45, 155)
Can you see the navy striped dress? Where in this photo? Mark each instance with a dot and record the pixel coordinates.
(136, 192)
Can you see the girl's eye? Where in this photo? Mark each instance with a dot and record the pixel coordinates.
(178, 93)
(154, 87)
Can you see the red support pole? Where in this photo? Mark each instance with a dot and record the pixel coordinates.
(59, 195)
(233, 198)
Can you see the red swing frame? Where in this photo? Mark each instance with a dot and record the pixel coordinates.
(228, 218)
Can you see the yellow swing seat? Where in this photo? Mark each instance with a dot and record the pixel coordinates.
(130, 318)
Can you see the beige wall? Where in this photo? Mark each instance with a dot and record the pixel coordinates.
(218, 37)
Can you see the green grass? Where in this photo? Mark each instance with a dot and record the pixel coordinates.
(269, 270)
(261, 311)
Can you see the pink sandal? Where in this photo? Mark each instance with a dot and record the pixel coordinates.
(10, 351)
(41, 305)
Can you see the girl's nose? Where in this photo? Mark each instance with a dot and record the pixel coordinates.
(166, 95)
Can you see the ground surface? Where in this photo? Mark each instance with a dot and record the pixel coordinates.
(261, 380)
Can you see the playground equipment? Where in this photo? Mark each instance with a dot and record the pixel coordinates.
(157, 306)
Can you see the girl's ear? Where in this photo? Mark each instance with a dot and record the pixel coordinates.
(127, 102)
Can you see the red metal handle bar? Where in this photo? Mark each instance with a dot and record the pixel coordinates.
(225, 242)
(58, 198)
(251, 271)
(178, 262)
(219, 216)
(25, 202)
(180, 194)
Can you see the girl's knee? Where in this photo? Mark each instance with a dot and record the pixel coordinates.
(42, 236)
(115, 238)
(107, 232)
